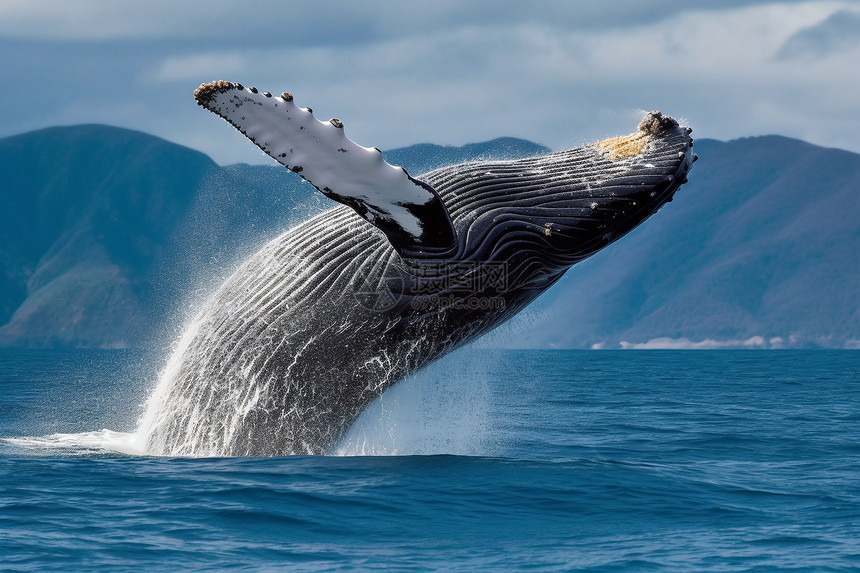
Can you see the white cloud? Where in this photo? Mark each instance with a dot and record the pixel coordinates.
(687, 344)
(216, 22)
(559, 87)
(88, 19)
(450, 72)
(838, 32)
(330, 22)
(189, 68)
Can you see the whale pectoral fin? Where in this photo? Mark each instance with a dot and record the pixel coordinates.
(407, 210)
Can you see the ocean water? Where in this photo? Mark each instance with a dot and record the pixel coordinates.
(489, 460)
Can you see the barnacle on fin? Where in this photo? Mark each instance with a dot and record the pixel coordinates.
(206, 92)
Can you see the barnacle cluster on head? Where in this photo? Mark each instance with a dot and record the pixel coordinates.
(655, 122)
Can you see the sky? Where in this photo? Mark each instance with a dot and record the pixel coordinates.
(560, 73)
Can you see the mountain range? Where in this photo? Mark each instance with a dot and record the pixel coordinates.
(109, 237)
(760, 249)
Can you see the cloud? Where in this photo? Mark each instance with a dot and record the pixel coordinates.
(560, 87)
(333, 22)
(253, 22)
(559, 73)
(687, 344)
(837, 33)
(196, 66)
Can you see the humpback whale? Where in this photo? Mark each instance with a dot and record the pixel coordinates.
(312, 328)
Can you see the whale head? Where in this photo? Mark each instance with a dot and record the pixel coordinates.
(629, 179)
(543, 214)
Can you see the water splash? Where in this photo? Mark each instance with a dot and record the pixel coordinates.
(443, 409)
(157, 403)
(81, 444)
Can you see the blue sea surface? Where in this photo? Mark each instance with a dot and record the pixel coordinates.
(489, 460)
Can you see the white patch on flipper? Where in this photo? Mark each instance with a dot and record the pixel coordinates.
(322, 154)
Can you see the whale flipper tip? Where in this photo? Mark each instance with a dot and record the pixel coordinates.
(207, 92)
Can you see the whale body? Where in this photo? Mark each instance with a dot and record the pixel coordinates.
(311, 329)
